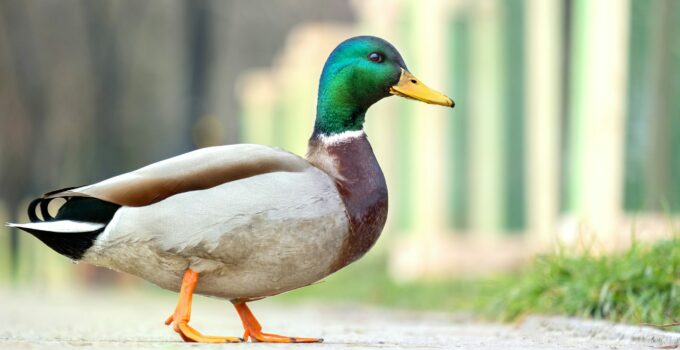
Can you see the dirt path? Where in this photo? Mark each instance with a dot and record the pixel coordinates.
(135, 321)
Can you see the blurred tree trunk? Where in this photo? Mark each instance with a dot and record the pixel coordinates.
(199, 51)
(102, 46)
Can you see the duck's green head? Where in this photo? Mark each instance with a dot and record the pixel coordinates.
(358, 73)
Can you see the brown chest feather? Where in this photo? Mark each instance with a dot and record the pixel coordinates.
(361, 184)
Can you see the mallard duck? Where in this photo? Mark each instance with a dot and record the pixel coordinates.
(244, 222)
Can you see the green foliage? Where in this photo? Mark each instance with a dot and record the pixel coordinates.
(640, 285)
(637, 286)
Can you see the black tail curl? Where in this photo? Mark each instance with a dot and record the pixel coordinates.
(85, 209)
(44, 203)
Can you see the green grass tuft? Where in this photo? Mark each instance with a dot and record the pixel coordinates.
(639, 285)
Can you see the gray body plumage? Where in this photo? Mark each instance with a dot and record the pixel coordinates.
(249, 238)
(253, 221)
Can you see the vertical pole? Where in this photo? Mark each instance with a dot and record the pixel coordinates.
(543, 64)
(430, 121)
(659, 158)
(486, 126)
(457, 139)
(596, 126)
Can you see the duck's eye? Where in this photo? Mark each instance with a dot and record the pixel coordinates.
(375, 57)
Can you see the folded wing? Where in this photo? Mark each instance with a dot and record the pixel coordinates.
(200, 169)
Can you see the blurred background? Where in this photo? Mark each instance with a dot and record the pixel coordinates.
(567, 118)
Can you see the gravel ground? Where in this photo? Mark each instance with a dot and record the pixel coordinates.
(133, 320)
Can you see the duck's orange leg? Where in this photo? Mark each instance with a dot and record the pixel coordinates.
(180, 318)
(254, 330)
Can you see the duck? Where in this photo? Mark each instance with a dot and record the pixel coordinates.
(244, 222)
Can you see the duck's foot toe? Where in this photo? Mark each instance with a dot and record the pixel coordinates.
(189, 334)
(253, 329)
(275, 338)
(180, 317)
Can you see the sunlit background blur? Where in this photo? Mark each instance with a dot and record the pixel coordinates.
(567, 118)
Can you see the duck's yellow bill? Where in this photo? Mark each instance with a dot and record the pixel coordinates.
(410, 87)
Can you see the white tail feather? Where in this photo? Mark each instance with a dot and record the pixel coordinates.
(61, 226)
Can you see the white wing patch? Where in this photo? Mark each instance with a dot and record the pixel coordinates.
(60, 226)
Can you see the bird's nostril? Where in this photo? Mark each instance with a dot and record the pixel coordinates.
(414, 81)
